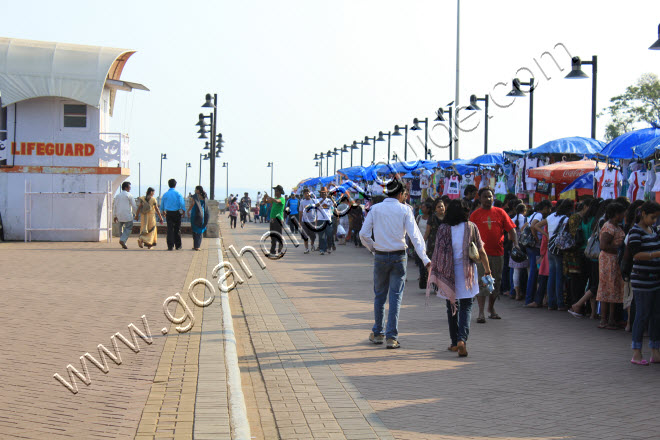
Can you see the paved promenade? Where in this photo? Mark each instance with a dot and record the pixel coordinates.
(307, 368)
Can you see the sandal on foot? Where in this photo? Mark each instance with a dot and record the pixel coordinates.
(494, 316)
(654, 361)
(640, 362)
(602, 325)
(452, 348)
(481, 320)
(462, 350)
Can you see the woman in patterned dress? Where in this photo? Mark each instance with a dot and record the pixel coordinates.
(610, 286)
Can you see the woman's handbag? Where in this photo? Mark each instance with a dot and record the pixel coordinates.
(553, 243)
(474, 253)
(527, 238)
(592, 251)
(565, 240)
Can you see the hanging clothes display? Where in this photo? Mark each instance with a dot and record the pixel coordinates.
(415, 188)
(453, 187)
(608, 181)
(650, 183)
(637, 182)
(500, 188)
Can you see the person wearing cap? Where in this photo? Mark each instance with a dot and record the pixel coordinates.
(276, 217)
(174, 206)
(325, 207)
(389, 222)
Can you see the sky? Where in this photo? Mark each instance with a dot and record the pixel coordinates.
(299, 77)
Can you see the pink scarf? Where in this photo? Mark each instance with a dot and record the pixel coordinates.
(442, 278)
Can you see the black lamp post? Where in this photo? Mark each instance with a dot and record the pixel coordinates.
(441, 118)
(366, 142)
(355, 147)
(656, 45)
(517, 92)
(160, 179)
(211, 101)
(577, 73)
(334, 153)
(318, 165)
(343, 150)
(475, 106)
(321, 156)
(415, 127)
(405, 140)
(380, 139)
(185, 181)
(327, 162)
(226, 165)
(272, 167)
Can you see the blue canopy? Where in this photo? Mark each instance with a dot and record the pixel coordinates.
(586, 181)
(488, 159)
(580, 146)
(647, 149)
(622, 146)
(356, 172)
(517, 153)
(322, 180)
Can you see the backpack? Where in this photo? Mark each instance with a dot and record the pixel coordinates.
(562, 239)
(527, 237)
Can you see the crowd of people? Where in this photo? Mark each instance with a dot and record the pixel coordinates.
(594, 258)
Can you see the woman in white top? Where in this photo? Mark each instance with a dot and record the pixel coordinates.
(556, 276)
(422, 221)
(453, 274)
(519, 220)
(543, 209)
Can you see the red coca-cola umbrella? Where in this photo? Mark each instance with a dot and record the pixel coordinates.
(563, 172)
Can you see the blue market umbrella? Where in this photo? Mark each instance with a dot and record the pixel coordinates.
(585, 181)
(647, 149)
(622, 146)
(487, 159)
(577, 145)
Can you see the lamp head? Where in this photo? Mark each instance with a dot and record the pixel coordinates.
(206, 157)
(473, 103)
(225, 165)
(354, 145)
(344, 149)
(200, 122)
(396, 131)
(328, 154)
(217, 153)
(209, 101)
(366, 141)
(576, 69)
(380, 136)
(440, 115)
(316, 157)
(321, 156)
(515, 89)
(163, 156)
(188, 165)
(415, 126)
(656, 45)
(206, 146)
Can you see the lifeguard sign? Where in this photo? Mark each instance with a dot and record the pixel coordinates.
(56, 101)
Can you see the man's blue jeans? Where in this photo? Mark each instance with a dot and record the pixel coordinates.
(647, 316)
(555, 281)
(532, 253)
(325, 237)
(459, 324)
(389, 278)
(125, 228)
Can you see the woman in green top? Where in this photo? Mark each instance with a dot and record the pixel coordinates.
(586, 228)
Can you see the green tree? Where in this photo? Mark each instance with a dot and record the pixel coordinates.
(639, 103)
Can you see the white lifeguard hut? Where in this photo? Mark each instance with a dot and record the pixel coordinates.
(59, 165)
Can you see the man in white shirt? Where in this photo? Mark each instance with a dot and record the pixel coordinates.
(390, 221)
(307, 219)
(125, 209)
(324, 214)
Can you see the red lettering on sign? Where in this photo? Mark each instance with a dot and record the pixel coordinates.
(89, 149)
(50, 149)
(68, 151)
(13, 148)
(30, 147)
(41, 148)
(79, 149)
(59, 149)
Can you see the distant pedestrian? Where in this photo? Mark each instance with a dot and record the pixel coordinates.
(148, 208)
(292, 205)
(389, 222)
(247, 201)
(307, 217)
(324, 213)
(125, 209)
(199, 216)
(173, 205)
(233, 213)
(243, 210)
(276, 218)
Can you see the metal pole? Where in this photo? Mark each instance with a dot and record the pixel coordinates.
(327, 161)
(374, 159)
(341, 159)
(335, 163)
(214, 123)
(531, 111)
(227, 189)
(272, 168)
(458, 45)
(451, 134)
(351, 156)
(426, 138)
(594, 65)
(139, 179)
(389, 138)
(486, 127)
(160, 179)
(405, 145)
(200, 168)
(185, 183)
(362, 155)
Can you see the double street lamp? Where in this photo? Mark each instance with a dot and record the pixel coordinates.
(163, 156)
(211, 101)
(185, 184)
(577, 73)
(475, 106)
(343, 150)
(517, 92)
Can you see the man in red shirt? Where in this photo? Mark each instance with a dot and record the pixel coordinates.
(492, 223)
